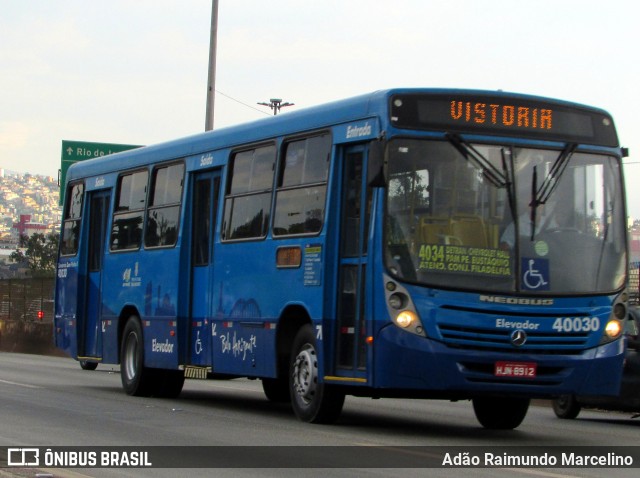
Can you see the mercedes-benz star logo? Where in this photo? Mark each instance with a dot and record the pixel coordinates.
(518, 338)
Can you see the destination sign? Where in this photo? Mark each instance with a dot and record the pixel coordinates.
(503, 115)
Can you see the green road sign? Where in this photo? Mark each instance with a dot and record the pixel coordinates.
(74, 151)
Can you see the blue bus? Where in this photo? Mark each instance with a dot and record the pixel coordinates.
(416, 243)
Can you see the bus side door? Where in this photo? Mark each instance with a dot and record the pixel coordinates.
(204, 208)
(351, 327)
(91, 336)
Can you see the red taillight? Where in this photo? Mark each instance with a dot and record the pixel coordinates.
(40, 315)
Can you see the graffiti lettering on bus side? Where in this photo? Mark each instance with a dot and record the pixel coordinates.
(238, 347)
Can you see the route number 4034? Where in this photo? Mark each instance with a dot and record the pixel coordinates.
(576, 324)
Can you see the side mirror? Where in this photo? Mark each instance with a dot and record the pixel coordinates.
(377, 163)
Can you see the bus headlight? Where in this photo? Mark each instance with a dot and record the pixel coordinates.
(398, 301)
(406, 318)
(620, 311)
(615, 326)
(400, 307)
(613, 329)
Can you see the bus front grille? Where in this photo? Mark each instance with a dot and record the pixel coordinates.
(476, 338)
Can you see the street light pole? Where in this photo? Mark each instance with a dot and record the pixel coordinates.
(275, 104)
(211, 89)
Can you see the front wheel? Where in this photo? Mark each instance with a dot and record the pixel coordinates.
(276, 389)
(566, 406)
(496, 413)
(312, 401)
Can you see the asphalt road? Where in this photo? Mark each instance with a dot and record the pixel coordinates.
(50, 402)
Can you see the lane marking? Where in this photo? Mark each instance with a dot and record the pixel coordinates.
(25, 385)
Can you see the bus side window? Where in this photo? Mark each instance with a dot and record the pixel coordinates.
(302, 186)
(163, 215)
(247, 205)
(126, 231)
(72, 217)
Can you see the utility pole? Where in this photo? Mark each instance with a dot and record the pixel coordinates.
(275, 104)
(211, 89)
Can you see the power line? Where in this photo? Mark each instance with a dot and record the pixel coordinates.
(243, 104)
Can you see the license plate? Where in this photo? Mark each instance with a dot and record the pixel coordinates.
(515, 369)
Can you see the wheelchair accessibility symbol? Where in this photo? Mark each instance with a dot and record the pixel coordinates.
(535, 274)
(198, 343)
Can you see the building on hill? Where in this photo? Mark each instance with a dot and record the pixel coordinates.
(28, 195)
(27, 228)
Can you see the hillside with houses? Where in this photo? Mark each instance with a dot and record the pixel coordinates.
(28, 204)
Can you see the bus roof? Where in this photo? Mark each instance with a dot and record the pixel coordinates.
(297, 121)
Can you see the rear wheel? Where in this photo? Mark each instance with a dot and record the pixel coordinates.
(496, 413)
(312, 401)
(168, 383)
(87, 365)
(136, 378)
(566, 406)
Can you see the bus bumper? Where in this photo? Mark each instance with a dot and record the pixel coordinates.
(404, 361)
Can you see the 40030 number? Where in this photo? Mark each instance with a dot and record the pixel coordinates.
(576, 324)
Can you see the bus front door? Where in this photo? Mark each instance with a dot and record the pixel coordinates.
(91, 336)
(203, 213)
(351, 328)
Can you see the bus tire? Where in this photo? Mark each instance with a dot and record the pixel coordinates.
(566, 407)
(498, 413)
(312, 401)
(137, 379)
(87, 365)
(168, 383)
(276, 390)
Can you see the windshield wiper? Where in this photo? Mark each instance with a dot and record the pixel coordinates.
(534, 201)
(508, 174)
(553, 178)
(489, 171)
(541, 196)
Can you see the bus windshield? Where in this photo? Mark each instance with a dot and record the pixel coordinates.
(498, 218)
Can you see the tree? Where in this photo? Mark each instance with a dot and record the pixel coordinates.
(39, 252)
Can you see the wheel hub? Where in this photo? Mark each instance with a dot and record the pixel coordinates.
(305, 374)
(130, 357)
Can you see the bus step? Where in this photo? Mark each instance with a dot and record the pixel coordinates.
(196, 372)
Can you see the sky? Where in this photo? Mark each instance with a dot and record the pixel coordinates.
(135, 72)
